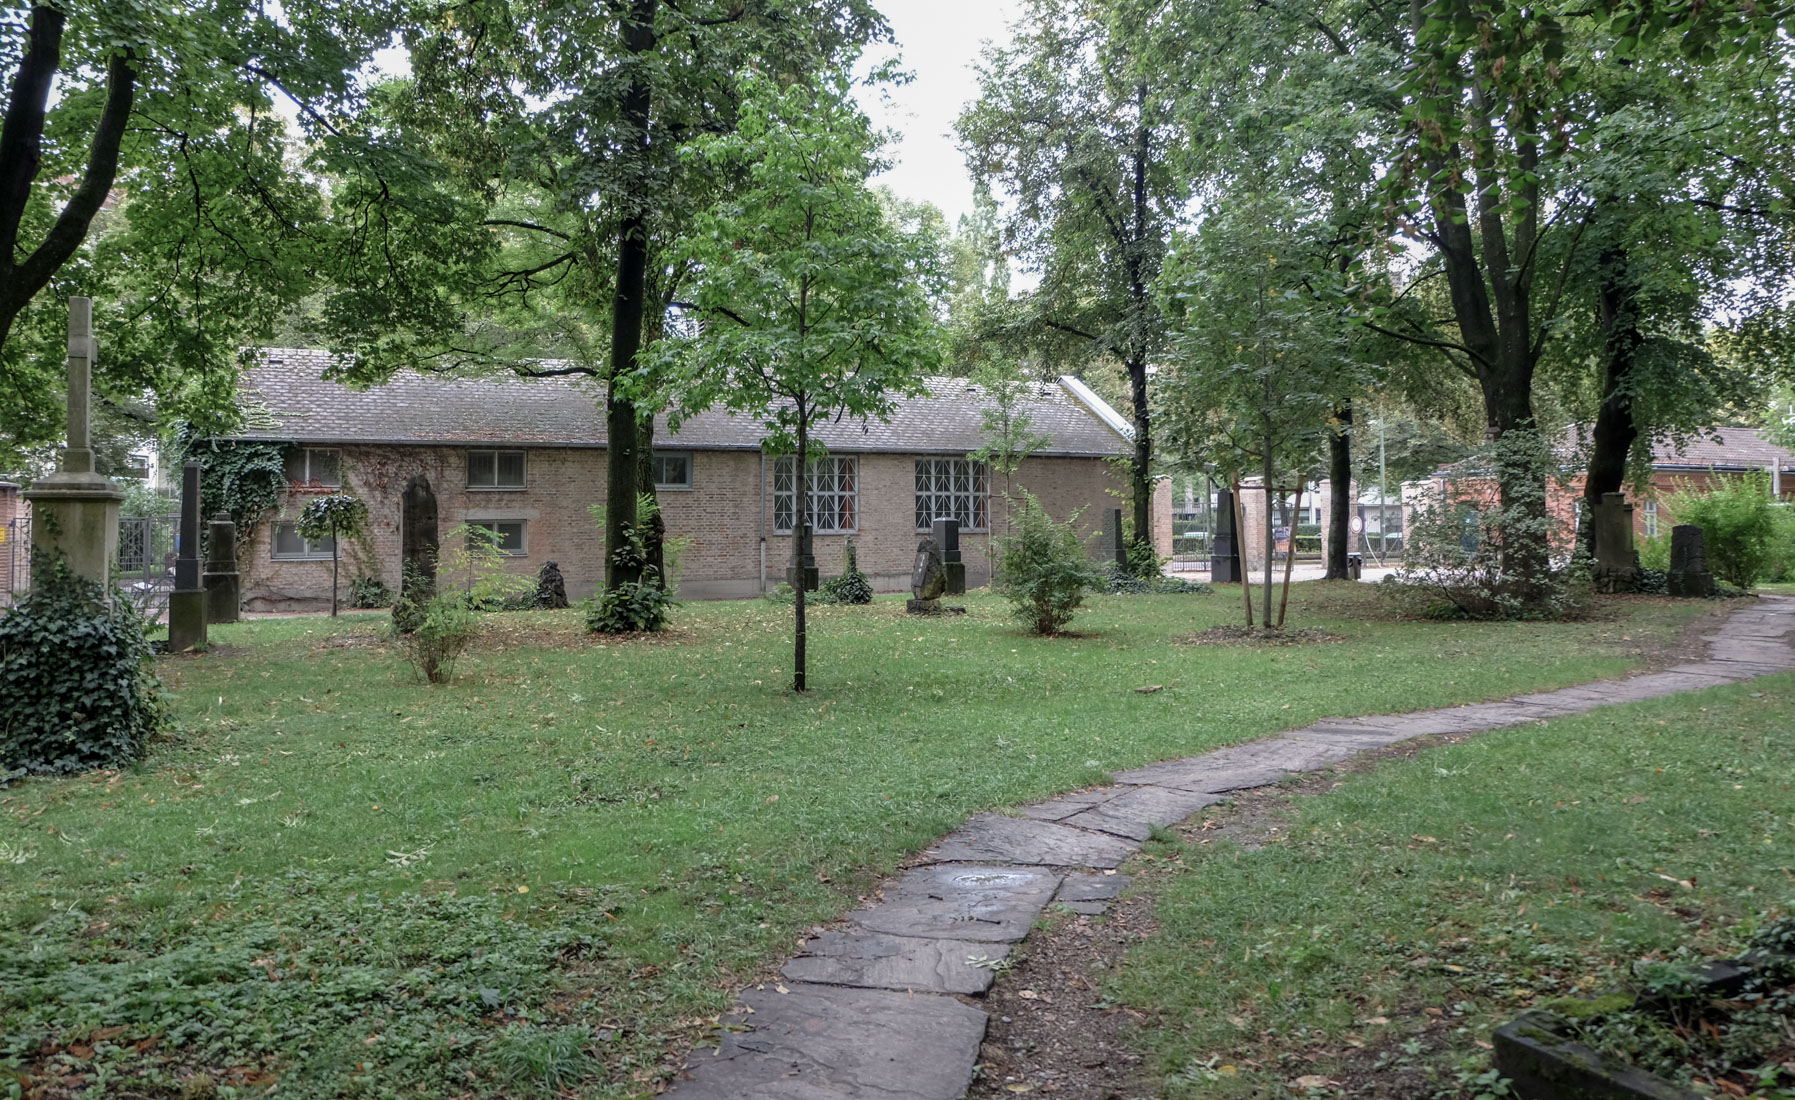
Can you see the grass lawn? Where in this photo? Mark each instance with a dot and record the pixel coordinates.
(555, 871)
(1371, 946)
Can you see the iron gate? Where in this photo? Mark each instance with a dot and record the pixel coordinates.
(145, 569)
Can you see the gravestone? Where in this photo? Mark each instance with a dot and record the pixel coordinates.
(947, 541)
(221, 582)
(928, 580)
(551, 587)
(1224, 543)
(1689, 574)
(417, 540)
(1611, 529)
(75, 510)
(801, 570)
(187, 603)
(1113, 543)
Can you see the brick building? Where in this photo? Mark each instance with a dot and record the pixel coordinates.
(527, 458)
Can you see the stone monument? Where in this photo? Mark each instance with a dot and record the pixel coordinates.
(75, 510)
(221, 582)
(1689, 574)
(551, 587)
(947, 542)
(1224, 541)
(187, 603)
(801, 571)
(928, 580)
(1113, 541)
(1611, 529)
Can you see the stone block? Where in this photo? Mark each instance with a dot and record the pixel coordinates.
(984, 904)
(993, 838)
(875, 960)
(186, 619)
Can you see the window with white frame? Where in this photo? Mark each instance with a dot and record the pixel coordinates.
(834, 495)
(290, 546)
(495, 469)
(673, 470)
(507, 535)
(953, 488)
(315, 466)
(1651, 519)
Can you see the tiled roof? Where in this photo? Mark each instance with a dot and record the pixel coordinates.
(1730, 448)
(287, 398)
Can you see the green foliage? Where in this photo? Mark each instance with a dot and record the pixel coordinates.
(337, 516)
(1127, 582)
(638, 606)
(80, 690)
(433, 632)
(1007, 427)
(1738, 521)
(852, 587)
(1043, 569)
(470, 563)
(368, 591)
(248, 480)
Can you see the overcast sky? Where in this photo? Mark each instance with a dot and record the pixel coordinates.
(938, 41)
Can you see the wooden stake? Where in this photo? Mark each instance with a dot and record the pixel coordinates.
(1290, 554)
(1240, 534)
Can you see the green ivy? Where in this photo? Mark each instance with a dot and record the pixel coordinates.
(246, 479)
(80, 691)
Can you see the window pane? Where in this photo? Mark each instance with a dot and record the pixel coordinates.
(511, 537)
(480, 466)
(510, 474)
(324, 468)
(325, 546)
(287, 540)
(296, 466)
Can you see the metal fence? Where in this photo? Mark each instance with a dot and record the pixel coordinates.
(145, 569)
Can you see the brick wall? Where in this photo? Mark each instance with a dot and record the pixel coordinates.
(721, 514)
(10, 504)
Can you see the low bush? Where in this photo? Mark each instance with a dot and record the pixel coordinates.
(367, 592)
(640, 606)
(1121, 582)
(1042, 568)
(434, 631)
(852, 587)
(80, 691)
(1738, 521)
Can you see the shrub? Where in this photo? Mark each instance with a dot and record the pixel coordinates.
(1779, 565)
(470, 560)
(1738, 522)
(1454, 564)
(640, 606)
(80, 692)
(369, 592)
(1122, 582)
(1654, 553)
(441, 627)
(851, 587)
(1043, 569)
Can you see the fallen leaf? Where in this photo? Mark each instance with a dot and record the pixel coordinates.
(1150, 689)
(1312, 1081)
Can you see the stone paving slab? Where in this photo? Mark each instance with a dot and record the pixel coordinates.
(994, 838)
(1135, 812)
(1057, 809)
(820, 1042)
(1202, 777)
(986, 904)
(875, 960)
(1083, 887)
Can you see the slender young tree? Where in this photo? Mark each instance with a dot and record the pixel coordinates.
(817, 303)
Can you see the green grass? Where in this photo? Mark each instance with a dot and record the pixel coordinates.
(1413, 908)
(560, 867)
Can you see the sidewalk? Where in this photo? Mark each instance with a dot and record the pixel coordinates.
(875, 1008)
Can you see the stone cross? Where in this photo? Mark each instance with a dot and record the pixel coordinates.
(76, 509)
(78, 458)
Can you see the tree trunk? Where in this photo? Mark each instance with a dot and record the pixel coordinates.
(334, 554)
(627, 305)
(1340, 496)
(1140, 467)
(1265, 471)
(1615, 430)
(800, 522)
(1290, 556)
(1246, 576)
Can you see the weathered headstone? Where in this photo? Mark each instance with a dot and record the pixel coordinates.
(551, 587)
(947, 541)
(75, 510)
(187, 603)
(801, 570)
(222, 584)
(928, 580)
(1113, 544)
(1611, 530)
(1224, 541)
(1689, 574)
(417, 539)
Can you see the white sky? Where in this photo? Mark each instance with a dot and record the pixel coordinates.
(938, 41)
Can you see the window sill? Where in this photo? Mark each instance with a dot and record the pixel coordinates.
(497, 488)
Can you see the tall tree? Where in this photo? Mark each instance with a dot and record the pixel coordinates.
(1077, 134)
(820, 305)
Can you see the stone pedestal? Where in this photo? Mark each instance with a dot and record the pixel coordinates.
(222, 584)
(1611, 532)
(74, 512)
(947, 541)
(1224, 541)
(187, 603)
(801, 570)
(1689, 574)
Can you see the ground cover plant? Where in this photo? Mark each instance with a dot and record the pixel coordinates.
(554, 870)
(1370, 943)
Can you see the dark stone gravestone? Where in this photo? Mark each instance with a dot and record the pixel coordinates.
(801, 570)
(1611, 528)
(1224, 541)
(417, 540)
(187, 603)
(947, 541)
(1113, 545)
(222, 584)
(928, 580)
(551, 587)
(1689, 574)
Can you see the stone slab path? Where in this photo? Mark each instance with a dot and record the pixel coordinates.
(878, 1009)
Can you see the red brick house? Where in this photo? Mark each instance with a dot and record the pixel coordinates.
(527, 458)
